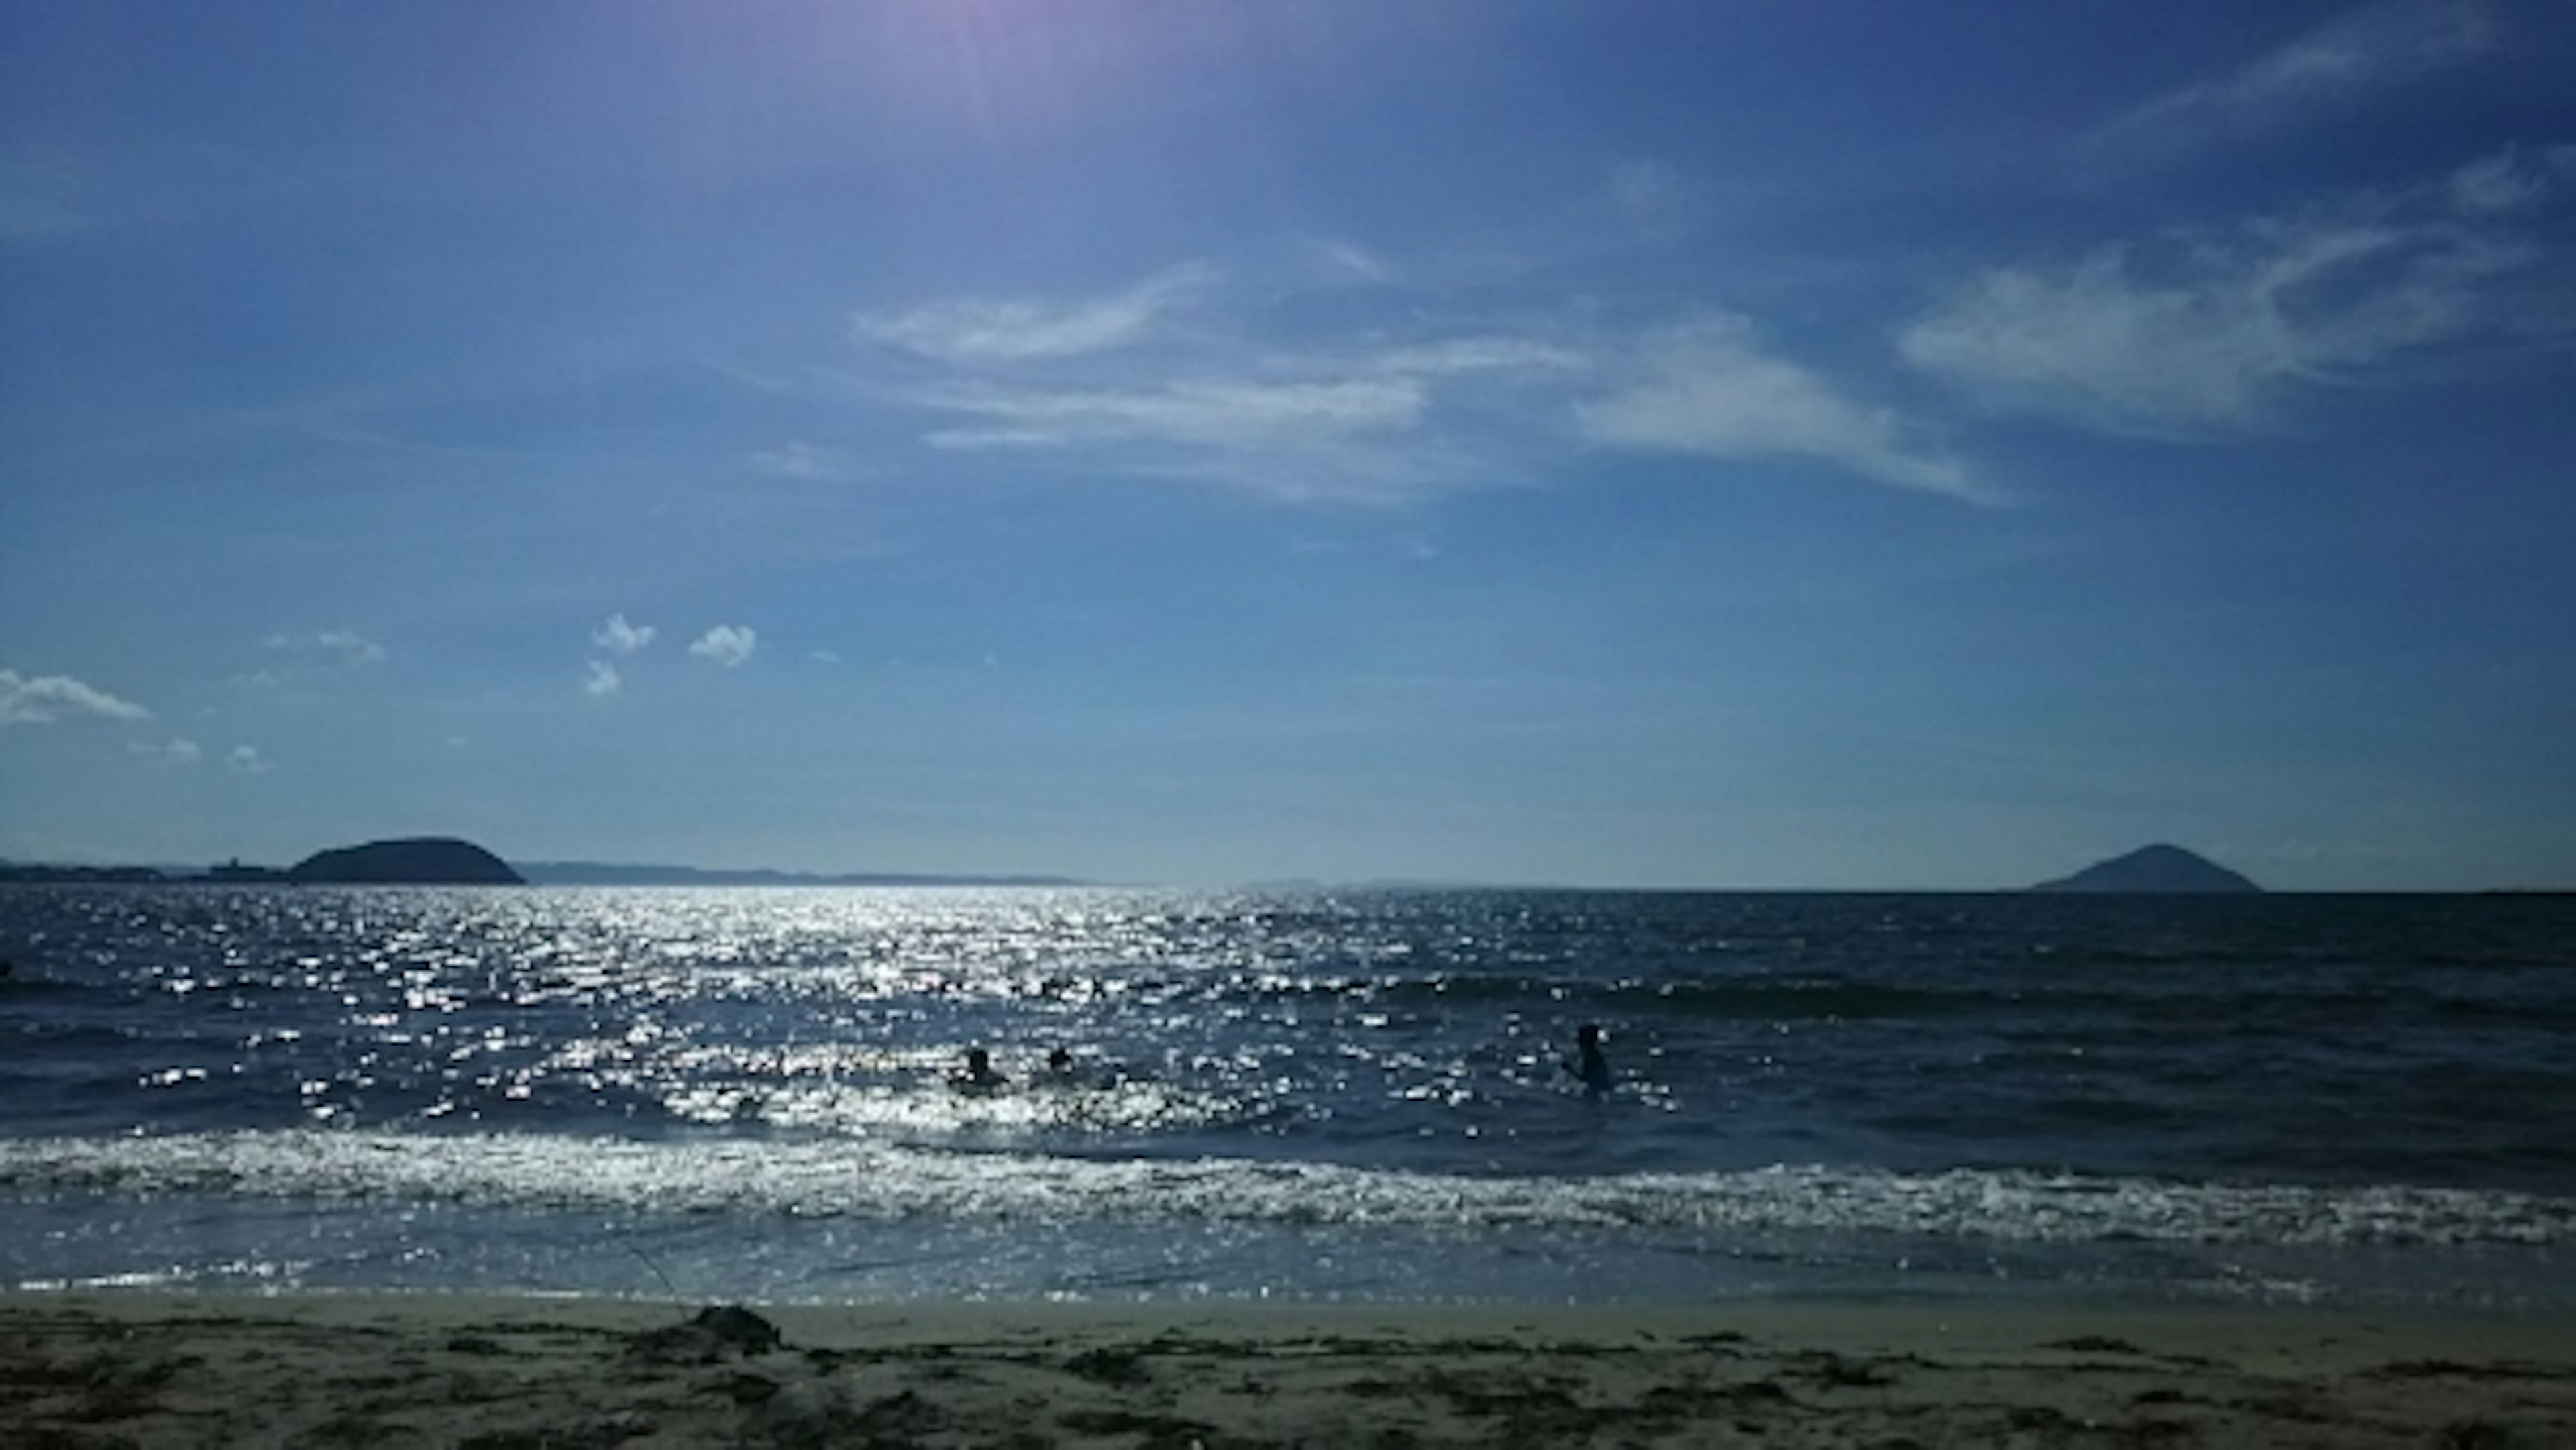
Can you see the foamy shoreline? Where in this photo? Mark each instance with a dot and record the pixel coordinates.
(154, 1369)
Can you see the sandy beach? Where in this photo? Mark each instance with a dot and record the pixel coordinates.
(144, 1369)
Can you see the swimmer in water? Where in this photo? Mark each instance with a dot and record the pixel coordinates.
(1588, 1064)
(1059, 1062)
(979, 1076)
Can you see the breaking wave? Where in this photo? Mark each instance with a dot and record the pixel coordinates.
(838, 1179)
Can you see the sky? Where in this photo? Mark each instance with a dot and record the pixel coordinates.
(1830, 444)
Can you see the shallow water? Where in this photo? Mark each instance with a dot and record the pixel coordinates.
(1310, 1096)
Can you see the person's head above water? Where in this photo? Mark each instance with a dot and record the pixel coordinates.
(1587, 1062)
(978, 1061)
(1059, 1060)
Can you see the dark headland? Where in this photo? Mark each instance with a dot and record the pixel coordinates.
(418, 861)
(2155, 869)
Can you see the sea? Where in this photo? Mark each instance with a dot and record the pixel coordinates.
(1305, 1096)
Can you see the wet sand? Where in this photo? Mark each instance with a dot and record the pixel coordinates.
(148, 1369)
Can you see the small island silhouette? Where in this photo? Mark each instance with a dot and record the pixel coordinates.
(413, 861)
(2157, 868)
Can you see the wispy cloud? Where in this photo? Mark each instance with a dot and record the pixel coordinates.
(621, 638)
(1708, 390)
(2511, 180)
(43, 699)
(174, 752)
(1481, 355)
(805, 462)
(1349, 439)
(727, 645)
(330, 646)
(1389, 414)
(246, 760)
(601, 680)
(1210, 413)
(2204, 331)
(988, 331)
(1354, 260)
(1649, 193)
(2362, 51)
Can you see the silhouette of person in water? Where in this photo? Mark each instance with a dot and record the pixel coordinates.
(980, 1076)
(1059, 1062)
(1587, 1064)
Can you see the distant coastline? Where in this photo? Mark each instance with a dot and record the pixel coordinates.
(2153, 870)
(603, 873)
(534, 873)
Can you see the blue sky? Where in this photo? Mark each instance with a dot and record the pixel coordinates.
(1818, 444)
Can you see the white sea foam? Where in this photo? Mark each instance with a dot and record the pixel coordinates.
(816, 1178)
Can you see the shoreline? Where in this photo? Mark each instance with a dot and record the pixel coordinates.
(155, 1368)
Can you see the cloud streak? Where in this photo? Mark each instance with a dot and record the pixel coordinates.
(2363, 51)
(331, 646)
(1428, 409)
(990, 332)
(2196, 333)
(1707, 390)
(44, 699)
(1205, 413)
(805, 463)
(175, 752)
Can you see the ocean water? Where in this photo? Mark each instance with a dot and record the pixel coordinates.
(1322, 1096)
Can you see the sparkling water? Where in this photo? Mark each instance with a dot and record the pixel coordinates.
(755, 1093)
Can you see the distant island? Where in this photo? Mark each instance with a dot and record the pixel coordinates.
(601, 873)
(2158, 868)
(417, 861)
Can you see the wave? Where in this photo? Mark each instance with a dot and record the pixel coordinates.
(829, 1179)
(1755, 998)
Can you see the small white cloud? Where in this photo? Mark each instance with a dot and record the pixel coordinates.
(826, 657)
(246, 761)
(804, 461)
(2363, 50)
(43, 699)
(603, 679)
(349, 648)
(984, 331)
(173, 753)
(1707, 390)
(727, 645)
(621, 638)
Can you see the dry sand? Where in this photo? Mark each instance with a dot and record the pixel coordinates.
(113, 1369)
